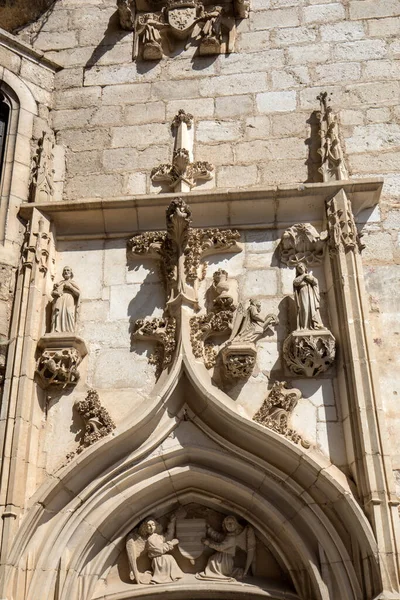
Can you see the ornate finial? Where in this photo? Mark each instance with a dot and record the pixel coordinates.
(183, 173)
(332, 165)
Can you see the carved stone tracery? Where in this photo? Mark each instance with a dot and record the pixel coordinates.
(332, 163)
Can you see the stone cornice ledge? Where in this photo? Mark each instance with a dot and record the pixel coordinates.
(16, 45)
(272, 206)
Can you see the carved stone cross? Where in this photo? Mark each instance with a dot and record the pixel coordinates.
(179, 250)
(183, 172)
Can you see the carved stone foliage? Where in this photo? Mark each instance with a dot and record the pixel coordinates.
(151, 544)
(310, 349)
(59, 359)
(302, 243)
(239, 353)
(159, 26)
(342, 230)
(309, 353)
(182, 173)
(276, 411)
(163, 331)
(332, 164)
(42, 174)
(216, 322)
(98, 422)
(179, 250)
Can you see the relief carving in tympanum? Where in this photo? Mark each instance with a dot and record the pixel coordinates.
(61, 351)
(310, 349)
(209, 541)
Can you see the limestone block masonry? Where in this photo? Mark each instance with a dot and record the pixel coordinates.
(199, 314)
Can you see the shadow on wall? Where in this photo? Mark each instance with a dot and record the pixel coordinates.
(15, 14)
(112, 35)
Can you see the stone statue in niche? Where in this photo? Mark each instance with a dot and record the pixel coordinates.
(310, 349)
(150, 539)
(220, 566)
(307, 298)
(239, 353)
(66, 296)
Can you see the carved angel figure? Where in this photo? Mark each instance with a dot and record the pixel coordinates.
(66, 296)
(149, 538)
(221, 564)
(248, 326)
(307, 298)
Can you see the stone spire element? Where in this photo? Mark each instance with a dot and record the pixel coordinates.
(332, 165)
(183, 172)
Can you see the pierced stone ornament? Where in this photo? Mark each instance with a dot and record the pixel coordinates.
(302, 243)
(98, 422)
(310, 350)
(163, 331)
(60, 357)
(179, 250)
(277, 409)
(239, 353)
(342, 230)
(183, 173)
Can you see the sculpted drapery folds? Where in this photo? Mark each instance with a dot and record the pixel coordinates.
(221, 564)
(149, 539)
(66, 297)
(307, 298)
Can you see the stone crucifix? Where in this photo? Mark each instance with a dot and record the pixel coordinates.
(179, 250)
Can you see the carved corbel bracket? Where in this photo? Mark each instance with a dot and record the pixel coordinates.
(59, 359)
(302, 243)
(277, 409)
(240, 352)
(309, 352)
(163, 331)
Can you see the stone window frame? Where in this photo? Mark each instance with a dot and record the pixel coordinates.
(16, 163)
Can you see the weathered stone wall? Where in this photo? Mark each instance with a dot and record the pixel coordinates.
(253, 114)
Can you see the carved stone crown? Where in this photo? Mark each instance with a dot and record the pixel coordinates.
(170, 4)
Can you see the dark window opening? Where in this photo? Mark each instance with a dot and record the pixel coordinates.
(4, 118)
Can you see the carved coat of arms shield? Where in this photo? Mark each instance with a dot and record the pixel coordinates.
(181, 19)
(189, 533)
